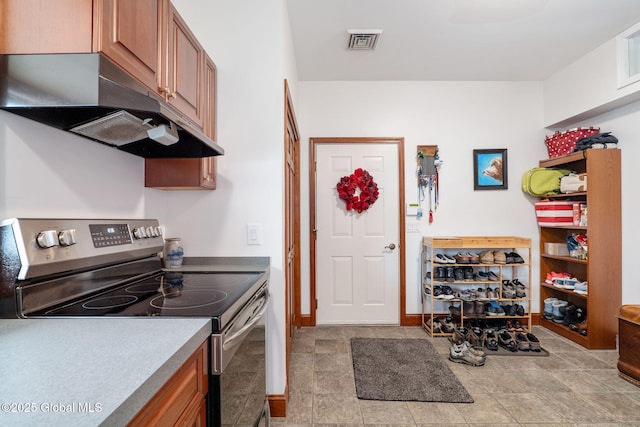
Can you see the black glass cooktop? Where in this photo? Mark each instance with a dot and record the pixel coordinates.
(167, 294)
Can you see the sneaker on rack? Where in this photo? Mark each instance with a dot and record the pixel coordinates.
(559, 310)
(440, 259)
(438, 292)
(437, 325)
(499, 257)
(580, 288)
(519, 310)
(480, 309)
(486, 257)
(548, 308)
(493, 277)
(467, 273)
(508, 290)
(469, 308)
(482, 294)
(447, 292)
(521, 289)
(448, 326)
(482, 276)
(454, 310)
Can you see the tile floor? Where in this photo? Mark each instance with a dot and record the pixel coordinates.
(571, 387)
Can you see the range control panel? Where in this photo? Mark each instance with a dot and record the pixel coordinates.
(48, 246)
(110, 234)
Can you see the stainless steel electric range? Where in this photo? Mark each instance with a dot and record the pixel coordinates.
(112, 268)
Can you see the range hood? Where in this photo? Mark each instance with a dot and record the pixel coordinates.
(90, 96)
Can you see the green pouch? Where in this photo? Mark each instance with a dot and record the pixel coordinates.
(542, 181)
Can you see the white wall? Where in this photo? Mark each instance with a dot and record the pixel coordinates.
(458, 117)
(45, 172)
(586, 88)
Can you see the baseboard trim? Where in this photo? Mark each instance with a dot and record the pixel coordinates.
(278, 405)
(411, 320)
(305, 320)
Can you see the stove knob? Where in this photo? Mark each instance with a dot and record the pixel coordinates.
(138, 233)
(149, 231)
(158, 231)
(67, 237)
(47, 239)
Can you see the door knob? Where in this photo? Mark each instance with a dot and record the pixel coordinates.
(391, 246)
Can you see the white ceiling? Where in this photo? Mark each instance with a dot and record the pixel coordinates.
(510, 40)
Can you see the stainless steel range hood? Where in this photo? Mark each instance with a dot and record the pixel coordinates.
(88, 95)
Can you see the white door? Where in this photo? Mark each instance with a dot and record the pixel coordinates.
(357, 254)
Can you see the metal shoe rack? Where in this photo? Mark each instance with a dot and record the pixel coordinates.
(433, 307)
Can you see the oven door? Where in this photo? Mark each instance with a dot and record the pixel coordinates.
(237, 380)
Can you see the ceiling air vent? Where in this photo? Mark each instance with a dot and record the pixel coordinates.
(363, 39)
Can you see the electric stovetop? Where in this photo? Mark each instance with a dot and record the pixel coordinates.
(165, 294)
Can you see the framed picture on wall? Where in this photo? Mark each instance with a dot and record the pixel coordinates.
(490, 169)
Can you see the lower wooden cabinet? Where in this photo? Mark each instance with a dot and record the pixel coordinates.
(180, 174)
(181, 401)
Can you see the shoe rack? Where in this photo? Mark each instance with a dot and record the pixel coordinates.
(602, 267)
(484, 275)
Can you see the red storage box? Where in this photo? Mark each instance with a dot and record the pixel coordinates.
(554, 213)
(562, 143)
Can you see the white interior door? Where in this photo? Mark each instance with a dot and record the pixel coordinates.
(357, 273)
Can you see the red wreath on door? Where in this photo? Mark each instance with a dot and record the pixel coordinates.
(361, 180)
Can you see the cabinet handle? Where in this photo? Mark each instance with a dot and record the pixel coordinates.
(173, 95)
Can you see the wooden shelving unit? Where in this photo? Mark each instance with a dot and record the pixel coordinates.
(433, 307)
(602, 269)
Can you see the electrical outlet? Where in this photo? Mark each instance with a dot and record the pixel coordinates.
(413, 227)
(254, 234)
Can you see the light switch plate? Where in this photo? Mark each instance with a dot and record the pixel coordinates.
(254, 235)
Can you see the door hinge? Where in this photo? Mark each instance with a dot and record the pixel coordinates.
(316, 304)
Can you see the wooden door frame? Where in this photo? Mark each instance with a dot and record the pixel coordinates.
(278, 402)
(313, 143)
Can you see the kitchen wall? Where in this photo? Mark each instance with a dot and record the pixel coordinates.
(458, 117)
(45, 172)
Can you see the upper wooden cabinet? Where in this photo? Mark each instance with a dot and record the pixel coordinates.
(44, 26)
(183, 77)
(147, 38)
(129, 33)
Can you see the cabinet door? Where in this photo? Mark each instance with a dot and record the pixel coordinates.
(180, 174)
(185, 68)
(208, 168)
(45, 26)
(210, 94)
(128, 32)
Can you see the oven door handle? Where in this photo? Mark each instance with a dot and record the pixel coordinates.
(232, 340)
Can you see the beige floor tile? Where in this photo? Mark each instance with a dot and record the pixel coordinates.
(377, 412)
(329, 382)
(336, 408)
(429, 413)
(527, 408)
(484, 410)
(331, 346)
(340, 362)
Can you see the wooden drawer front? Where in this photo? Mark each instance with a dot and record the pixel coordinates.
(629, 343)
(182, 394)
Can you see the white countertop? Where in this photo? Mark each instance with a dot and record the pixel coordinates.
(89, 372)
